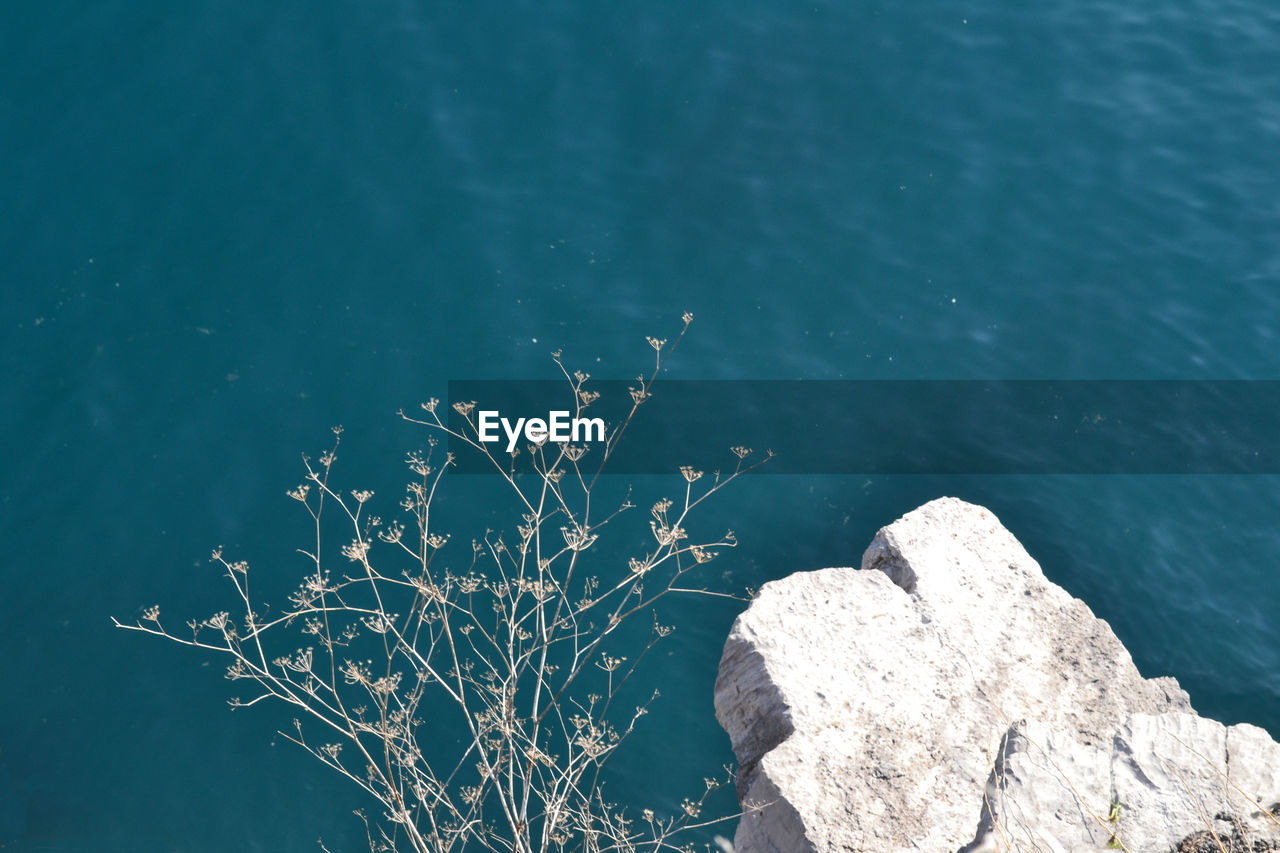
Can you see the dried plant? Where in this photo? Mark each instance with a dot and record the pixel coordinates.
(513, 640)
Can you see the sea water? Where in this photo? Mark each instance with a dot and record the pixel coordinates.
(229, 226)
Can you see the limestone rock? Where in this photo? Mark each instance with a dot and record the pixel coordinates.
(947, 697)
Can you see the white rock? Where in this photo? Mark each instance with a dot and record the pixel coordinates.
(947, 697)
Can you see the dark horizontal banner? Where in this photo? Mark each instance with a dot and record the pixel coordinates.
(896, 427)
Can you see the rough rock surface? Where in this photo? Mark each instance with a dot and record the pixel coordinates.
(946, 697)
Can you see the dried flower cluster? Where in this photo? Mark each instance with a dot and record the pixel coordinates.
(514, 644)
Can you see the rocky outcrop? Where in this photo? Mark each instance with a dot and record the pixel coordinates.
(946, 697)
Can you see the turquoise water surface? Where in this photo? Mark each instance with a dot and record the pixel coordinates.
(230, 225)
